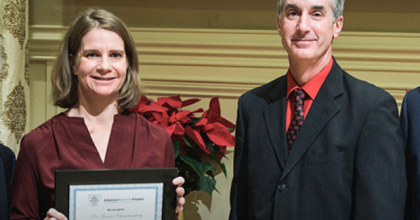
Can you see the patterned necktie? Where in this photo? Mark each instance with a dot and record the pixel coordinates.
(297, 120)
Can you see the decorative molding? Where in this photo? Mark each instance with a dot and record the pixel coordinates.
(193, 89)
(226, 63)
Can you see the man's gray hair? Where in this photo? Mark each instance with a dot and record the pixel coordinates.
(337, 5)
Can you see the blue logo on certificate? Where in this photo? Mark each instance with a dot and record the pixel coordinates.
(94, 199)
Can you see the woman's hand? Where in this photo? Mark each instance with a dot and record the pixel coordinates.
(180, 192)
(53, 214)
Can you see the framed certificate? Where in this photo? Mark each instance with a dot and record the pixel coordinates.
(145, 194)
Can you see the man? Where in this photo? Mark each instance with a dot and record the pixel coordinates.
(410, 125)
(317, 143)
(7, 167)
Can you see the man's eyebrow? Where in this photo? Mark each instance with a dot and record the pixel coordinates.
(294, 6)
(318, 7)
(289, 6)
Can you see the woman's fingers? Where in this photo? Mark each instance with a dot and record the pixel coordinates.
(178, 181)
(180, 191)
(53, 214)
(181, 202)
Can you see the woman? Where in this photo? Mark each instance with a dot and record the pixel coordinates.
(96, 78)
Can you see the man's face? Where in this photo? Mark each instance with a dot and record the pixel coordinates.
(307, 29)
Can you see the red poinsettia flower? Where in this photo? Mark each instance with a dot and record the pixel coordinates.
(167, 112)
(214, 126)
(194, 137)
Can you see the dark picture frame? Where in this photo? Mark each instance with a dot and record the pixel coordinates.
(66, 178)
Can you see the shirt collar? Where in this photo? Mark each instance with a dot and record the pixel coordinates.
(312, 87)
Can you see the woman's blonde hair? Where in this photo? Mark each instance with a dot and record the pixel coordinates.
(65, 83)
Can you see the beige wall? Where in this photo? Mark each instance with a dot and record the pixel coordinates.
(223, 48)
(360, 15)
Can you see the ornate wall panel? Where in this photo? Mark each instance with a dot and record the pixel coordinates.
(14, 72)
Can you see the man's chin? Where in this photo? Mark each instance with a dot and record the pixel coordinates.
(303, 55)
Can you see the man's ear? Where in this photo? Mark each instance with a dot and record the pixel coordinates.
(279, 25)
(338, 25)
(72, 64)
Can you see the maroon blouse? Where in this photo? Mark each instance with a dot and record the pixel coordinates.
(64, 143)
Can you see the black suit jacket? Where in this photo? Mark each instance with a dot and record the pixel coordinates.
(346, 163)
(410, 124)
(7, 167)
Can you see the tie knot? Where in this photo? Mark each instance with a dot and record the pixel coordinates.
(300, 94)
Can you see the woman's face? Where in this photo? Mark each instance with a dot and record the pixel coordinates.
(100, 64)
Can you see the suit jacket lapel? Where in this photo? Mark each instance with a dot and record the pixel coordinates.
(323, 109)
(274, 116)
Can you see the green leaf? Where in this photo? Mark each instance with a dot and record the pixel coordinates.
(210, 174)
(223, 166)
(217, 151)
(207, 184)
(207, 166)
(187, 142)
(214, 158)
(196, 165)
(230, 129)
(176, 148)
(216, 189)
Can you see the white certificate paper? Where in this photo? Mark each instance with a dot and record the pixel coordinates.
(116, 201)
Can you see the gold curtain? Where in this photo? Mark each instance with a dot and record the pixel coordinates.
(14, 72)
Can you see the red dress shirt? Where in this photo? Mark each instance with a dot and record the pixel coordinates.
(311, 89)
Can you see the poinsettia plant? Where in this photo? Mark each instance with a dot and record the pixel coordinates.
(199, 141)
